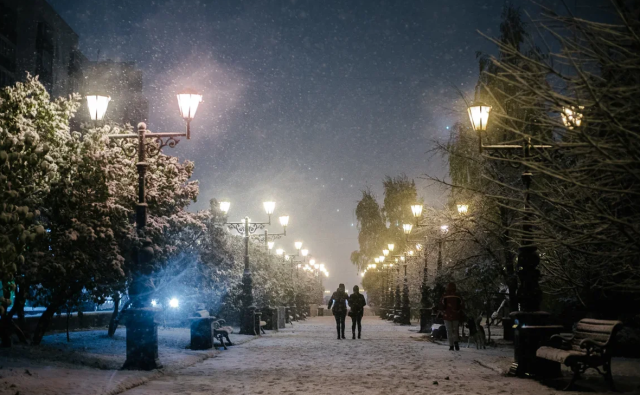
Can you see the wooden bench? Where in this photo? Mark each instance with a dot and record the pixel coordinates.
(589, 346)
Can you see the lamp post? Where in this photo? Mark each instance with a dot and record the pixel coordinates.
(397, 306)
(427, 309)
(142, 328)
(405, 312)
(246, 228)
(530, 321)
(291, 258)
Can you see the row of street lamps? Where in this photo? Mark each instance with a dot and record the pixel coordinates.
(248, 229)
(140, 318)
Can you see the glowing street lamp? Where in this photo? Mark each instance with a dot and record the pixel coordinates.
(376, 260)
(270, 245)
(381, 258)
(462, 208)
(173, 302)
(224, 207)
(391, 247)
(279, 252)
(298, 245)
(385, 252)
(269, 207)
(407, 228)
(142, 338)
(97, 106)
(304, 252)
(188, 102)
(479, 116)
(416, 209)
(444, 228)
(570, 117)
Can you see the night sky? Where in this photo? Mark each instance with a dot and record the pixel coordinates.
(305, 102)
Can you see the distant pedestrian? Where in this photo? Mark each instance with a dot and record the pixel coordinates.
(451, 305)
(356, 303)
(339, 303)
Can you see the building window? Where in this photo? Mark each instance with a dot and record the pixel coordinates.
(44, 54)
(8, 18)
(6, 79)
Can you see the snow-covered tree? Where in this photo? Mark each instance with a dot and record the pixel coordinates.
(32, 128)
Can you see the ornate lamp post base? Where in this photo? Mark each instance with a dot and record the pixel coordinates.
(247, 324)
(531, 330)
(142, 339)
(531, 327)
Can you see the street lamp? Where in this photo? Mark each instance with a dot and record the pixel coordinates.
(416, 209)
(269, 208)
(247, 228)
(462, 208)
(570, 117)
(385, 252)
(97, 106)
(405, 311)
(391, 247)
(142, 334)
(529, 294)
(270, 245)
(406, 228)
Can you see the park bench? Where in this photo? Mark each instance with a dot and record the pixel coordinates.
(221, 332)
(589, 346)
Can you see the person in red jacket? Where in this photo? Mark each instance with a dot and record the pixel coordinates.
(451, 306)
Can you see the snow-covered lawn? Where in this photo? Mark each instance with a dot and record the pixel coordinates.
(90, 363)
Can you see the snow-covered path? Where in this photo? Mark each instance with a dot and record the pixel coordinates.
(309, 360)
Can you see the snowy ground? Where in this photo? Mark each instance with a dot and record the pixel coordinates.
(305, 359)
(90, 363)
(388, 360)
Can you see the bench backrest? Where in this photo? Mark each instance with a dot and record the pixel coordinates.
(602, 331)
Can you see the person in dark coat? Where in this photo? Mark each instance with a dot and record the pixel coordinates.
(356, 303)
(339, 303)
(451, 306)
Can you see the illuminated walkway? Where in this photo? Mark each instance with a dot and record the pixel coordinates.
(307, 359)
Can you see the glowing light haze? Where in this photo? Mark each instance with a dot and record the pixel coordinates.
(305, 103)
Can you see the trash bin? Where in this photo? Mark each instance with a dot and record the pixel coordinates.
(270, 316)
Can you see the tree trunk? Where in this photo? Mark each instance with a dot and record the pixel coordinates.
(68, 318)
(6, 321)
(488, 313)
(5, 328)
(45, 319)
(113, 322)
(19, 312)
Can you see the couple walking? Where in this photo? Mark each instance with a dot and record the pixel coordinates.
(339, 301)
